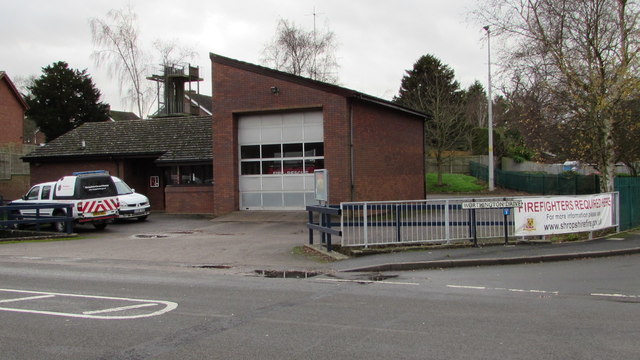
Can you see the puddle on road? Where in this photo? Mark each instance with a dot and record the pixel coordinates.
(150, 236)
(164, 235)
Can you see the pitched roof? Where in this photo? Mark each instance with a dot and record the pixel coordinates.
(171, 140)
(14, 90)
(331, 88)
(122, 115)
(205, 102)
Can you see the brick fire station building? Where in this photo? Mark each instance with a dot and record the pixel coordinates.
(272, 129)
(268, 132)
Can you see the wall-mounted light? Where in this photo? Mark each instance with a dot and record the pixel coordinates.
(275, 90)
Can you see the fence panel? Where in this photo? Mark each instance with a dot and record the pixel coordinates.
(629, 188)
(539, 183)
(421, 221)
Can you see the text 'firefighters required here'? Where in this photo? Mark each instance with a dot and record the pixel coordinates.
(563, 214)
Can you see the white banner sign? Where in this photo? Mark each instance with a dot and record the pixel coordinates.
(563, 214)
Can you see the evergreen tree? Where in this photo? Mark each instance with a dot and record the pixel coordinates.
(63, 99)
(431, 87)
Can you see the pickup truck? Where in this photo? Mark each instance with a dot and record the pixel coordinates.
(93, 195)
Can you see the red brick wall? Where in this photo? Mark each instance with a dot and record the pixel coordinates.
(237, 91)
(388, 154)
(11, 115)
(388, 143)
(44, 172)
(189, 199)
(15, 187)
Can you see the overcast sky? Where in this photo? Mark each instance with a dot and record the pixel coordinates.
(378, 39)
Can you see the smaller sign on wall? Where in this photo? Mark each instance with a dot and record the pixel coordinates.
(321, 181)
(154, 181)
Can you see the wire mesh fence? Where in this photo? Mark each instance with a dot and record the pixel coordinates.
(540, 183)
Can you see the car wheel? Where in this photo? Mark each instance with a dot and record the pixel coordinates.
(15, 215)
(60, 226)
(99, 225)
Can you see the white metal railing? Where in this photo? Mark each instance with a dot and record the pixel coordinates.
(424, 221)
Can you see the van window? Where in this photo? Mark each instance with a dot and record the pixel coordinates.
(46, 191)
(33, 193)
(95, 187)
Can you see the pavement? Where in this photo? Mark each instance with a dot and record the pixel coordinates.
(243, 242)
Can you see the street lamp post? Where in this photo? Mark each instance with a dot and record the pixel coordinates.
(490, 109)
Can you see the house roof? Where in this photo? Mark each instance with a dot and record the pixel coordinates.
(171, 140)
(313, 84)
(122, 115)
(14, 90)
(205, 102)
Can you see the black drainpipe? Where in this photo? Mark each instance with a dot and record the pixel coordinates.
(351, 150)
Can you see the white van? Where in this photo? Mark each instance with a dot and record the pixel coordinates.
(132, 204)
(93, 195)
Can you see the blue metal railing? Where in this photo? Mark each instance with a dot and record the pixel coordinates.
(325, 224)
(13, 214)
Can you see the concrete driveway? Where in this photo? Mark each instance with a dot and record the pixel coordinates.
(241, 241)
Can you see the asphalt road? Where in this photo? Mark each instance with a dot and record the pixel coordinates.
(587, 309)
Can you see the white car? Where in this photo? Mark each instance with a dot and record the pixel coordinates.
(132, 204)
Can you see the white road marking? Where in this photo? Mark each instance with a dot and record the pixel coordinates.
(533, 291)
(467, 287)
(122, 308)
(616, 295)
(27, 298)
(168, 305)
(368, 281)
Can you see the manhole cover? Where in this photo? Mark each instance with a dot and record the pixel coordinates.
(286, 274)
(150, 236)
(213, 266)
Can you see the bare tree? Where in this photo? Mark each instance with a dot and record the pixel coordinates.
(171, 53)
(300, 52)
(23, 83)
(120, 51)
(585, 53)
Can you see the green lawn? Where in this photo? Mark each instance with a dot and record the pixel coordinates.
(454, 183)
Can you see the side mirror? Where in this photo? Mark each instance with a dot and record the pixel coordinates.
(24, 197)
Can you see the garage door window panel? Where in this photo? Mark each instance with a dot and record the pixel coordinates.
(250, 152)
(314, 149)
(250, 168)
(271, 151)
(292, 150)
(293, 167)
(272, 167)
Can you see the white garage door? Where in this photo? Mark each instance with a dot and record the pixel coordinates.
(278, 154)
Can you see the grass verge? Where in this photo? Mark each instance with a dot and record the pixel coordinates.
(454, 183)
